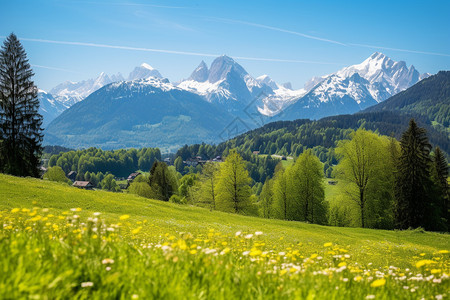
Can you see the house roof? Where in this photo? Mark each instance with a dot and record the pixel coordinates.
(71, 172)
(82, 183)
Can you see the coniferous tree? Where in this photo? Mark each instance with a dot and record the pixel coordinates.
(440, 172)
(162, 181)
(20, 123)
(413, 184)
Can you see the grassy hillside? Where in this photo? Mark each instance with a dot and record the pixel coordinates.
(156, 249)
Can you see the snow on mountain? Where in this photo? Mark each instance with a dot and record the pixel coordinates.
(372, 81)
(70, 93)
(49, 107)
(143, 71)
(228, 83)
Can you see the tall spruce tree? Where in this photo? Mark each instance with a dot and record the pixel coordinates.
(440, 172)
(413, 186)
(162, 181)
(20, 123)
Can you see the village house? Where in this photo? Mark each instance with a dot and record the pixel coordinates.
(87, 185)
(133, 176)
(72, 175)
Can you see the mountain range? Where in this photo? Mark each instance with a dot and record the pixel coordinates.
(242, 101)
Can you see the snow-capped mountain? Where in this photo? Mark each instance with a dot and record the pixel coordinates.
(49, 107)
(70, 93)
(227, 83)
(148, 112)
(143, 71)
(353, 88)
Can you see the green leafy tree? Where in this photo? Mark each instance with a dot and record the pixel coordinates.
(266, 200)
(56, 174)
(233, 186)
(20, 124)
(413, 184)
(178, 163)
(282, 195)
(307, 189)
(206, 187)
(109, 183)
(366, 176)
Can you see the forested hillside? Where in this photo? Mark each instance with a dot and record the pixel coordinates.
(429, 98)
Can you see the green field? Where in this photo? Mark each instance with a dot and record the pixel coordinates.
(54, 244)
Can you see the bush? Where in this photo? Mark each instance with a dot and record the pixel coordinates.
(56, 174)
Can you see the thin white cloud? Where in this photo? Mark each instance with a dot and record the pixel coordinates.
(131, 4)
(170, 51)
(323, 39)
(54, 68)
(279, 30)
(398, 49)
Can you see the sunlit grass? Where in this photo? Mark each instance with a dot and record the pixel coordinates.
(61, 242)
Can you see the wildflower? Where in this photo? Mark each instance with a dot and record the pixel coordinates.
(238, 233)
(124, 217)
(76, 209)
(87, 284)
(424, 262)
(107, 261)
(258, 233)
(14, 210)
(193, 251)
(96, 214)
(137, 230)
(328, 244)
(378, 282)
(249, 236)
(135, 296)
(370, 297)
(443, 251)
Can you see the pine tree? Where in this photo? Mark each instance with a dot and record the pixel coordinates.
(20, 123)
(233, 186)
(162, 181)
(413, 184)
(440, 170)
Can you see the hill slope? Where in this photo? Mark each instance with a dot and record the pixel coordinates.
(429, 98)
(61, 242)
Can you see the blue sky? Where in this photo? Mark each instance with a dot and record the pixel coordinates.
(288, 40)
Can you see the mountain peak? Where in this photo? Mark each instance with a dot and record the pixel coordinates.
(147, 66)
(143, 71)
(222, 66)
(201, 73)
(378, 56)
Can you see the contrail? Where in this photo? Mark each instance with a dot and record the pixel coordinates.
(56, 69)
(398, 49)
(131, 4)
(279, 29)
(170, 51)
(323, 39)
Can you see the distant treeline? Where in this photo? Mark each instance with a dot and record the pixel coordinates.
(117, 162)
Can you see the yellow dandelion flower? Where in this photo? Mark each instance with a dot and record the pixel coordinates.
(443, 251)
(378, 282)
(284, 271)
(357, 278)
(342, 264)
(15, 210)
(424, 262)
(137, 230)
(124, 217)
(422, 254)
(193, 251)
(434, 271)
(329, 244)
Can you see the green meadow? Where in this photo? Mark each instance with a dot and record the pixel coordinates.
(61, 242)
